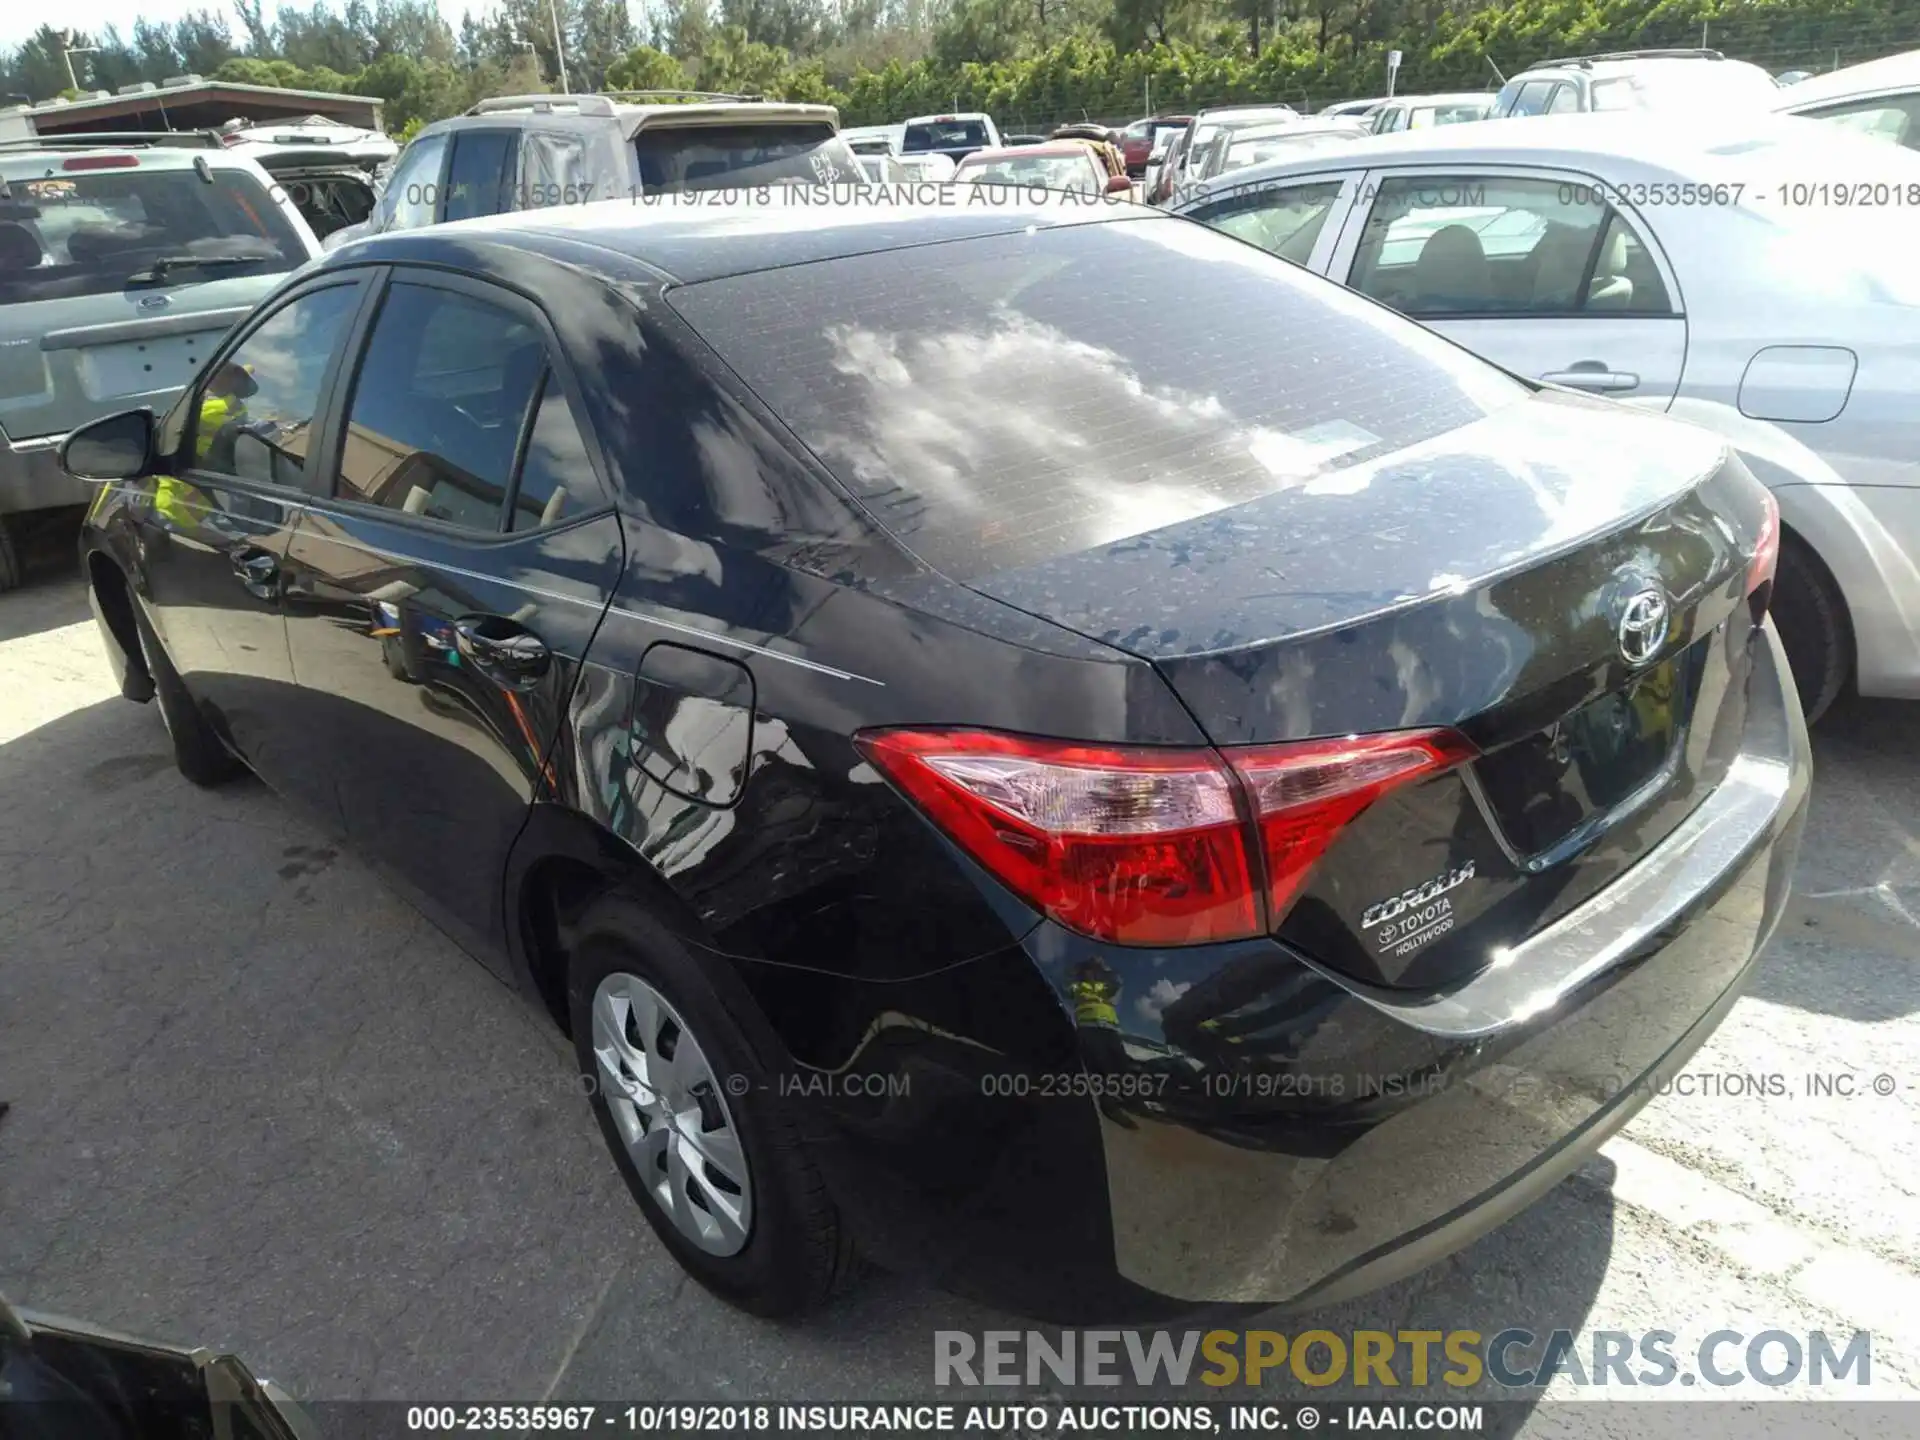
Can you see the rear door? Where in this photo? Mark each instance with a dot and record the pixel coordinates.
(442, 597)
(1533, 269)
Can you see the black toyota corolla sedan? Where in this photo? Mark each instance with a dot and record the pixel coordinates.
(1108, 804)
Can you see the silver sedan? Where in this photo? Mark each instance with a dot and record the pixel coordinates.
(1752, 275)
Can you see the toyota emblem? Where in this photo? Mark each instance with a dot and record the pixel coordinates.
(1643, 626)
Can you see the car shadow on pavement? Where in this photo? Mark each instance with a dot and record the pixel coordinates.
(260, 1103)
(1851, 934)
(48, 602)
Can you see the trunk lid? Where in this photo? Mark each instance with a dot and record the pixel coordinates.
(1479, 581)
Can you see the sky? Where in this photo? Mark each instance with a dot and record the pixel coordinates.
(20, 19)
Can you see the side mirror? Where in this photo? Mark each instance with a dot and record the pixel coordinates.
(1119, 185)
(117, 447)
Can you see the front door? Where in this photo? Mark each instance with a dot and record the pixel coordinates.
(214, 532)
(441, 601)
(1537, 272)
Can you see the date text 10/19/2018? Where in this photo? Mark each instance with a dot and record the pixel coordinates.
(816, 1419)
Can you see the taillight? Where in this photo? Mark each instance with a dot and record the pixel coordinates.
(100, 162)
(1766, 558)
(1147, 846)
(1303, 795)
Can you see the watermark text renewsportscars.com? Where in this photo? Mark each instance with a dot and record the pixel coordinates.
(1512, 1358)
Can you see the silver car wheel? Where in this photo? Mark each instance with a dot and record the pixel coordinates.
(672, 1114)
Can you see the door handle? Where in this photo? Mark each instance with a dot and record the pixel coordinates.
(502, 650)
(1595, 376)
(257, 570)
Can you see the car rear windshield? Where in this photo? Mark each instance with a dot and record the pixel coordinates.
(945, 135)
(676, 158)
(1041, 172)
(65, 233)
(1075, 385)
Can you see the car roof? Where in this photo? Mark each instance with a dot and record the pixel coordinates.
(1654, 139)
(1614, 63)
(691, 243)
(1894, 72)
(583, 111)
(945, 116)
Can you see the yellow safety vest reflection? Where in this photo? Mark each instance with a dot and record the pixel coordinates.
(1093, 1005)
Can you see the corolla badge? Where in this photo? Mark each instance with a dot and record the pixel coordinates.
(154, 302)
(1643, 625)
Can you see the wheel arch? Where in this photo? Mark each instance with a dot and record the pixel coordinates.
(560, 863)
(110, 595)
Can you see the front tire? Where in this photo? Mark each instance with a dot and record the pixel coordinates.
(1814, 630)
(196, 749)
(691, 1111)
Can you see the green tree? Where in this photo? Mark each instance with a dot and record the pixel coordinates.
(645, 68)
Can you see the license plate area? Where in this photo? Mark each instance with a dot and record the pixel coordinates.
(138, 367)
(1553, 786)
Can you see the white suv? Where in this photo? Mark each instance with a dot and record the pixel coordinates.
(526, 152)
(1636, 80)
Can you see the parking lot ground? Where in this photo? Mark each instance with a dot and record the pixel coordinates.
(258, 1102)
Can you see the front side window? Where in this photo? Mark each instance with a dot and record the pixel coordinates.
(66, 233)
(1284, 221)
(252, 417)
(438, 405)
(413, 190)
(1565, 101)
(1479, 244)
(480, 179)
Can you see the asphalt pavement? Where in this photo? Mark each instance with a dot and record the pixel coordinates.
(258, 1102)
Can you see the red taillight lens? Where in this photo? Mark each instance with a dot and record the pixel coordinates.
(1766, 555)
(100, 162)
(1142, 846)
(1303, 795)
(1136, 846)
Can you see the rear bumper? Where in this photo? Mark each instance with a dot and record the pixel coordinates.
(31, 477)
(1515, 1078)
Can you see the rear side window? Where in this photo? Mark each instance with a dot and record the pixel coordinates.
(90, 232)
(1282, 220)
(718, 157)
(480, 178)
(945, 135)
(556, 478)
(1015, 412)
(1478, 245)
(438, 406)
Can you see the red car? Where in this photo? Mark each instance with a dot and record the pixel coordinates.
(1136, 141)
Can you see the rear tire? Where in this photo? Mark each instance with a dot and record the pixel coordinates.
(10, 571)
(196, 749)
(795, 1254)
(1814, 629)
